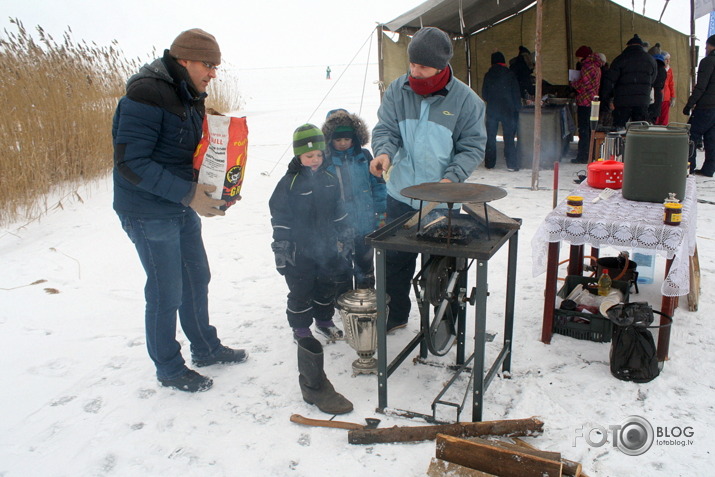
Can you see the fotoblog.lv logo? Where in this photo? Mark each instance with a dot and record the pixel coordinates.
(633, 436)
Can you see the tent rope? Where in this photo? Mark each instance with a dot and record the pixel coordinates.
(290, 145)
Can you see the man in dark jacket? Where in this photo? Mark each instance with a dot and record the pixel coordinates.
(522, 66)
(661, 76)
(702, 104)
(628, 83)
(500, 90)
(156, 129)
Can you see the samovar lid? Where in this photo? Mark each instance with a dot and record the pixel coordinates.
(362, 300)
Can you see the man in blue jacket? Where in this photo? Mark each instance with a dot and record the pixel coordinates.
(156, 129)
(430, 129)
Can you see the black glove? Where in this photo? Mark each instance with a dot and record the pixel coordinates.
(346, 243)
(686, 111)
(284, 252)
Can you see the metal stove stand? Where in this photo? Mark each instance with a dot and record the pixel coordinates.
(475, 253)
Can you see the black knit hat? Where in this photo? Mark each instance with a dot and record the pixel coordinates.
(308, 138)
(711, 40)
(636, 40)
(431, 47)
(498, 57)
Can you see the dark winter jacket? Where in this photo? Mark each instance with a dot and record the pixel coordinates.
(156, 129)
(703, 95)
(521, 66)
(630, 78)
(662, 74)
(500, 90)
(306, 209)
(364, 195)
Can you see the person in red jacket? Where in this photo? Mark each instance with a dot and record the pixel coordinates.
(586, 87)
(668, 92)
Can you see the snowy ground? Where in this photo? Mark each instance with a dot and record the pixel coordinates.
(80, 397)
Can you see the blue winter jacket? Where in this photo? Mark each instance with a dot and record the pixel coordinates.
(156, 129)
(429, 138)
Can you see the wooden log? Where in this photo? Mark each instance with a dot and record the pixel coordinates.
(548, 455)
(415, 218)
(442, 468)
(507, 428)
(694, 293)
(495, 459)
(496, 218)
(570, 467)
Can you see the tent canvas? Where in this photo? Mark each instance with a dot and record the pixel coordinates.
(505, 25)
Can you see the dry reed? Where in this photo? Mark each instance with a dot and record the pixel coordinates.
(59, 98)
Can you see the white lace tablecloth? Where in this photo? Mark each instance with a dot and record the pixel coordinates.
(624, 225)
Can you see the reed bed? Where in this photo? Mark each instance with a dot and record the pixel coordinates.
(58, 99)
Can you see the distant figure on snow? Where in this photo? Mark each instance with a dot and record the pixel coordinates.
(327, 72)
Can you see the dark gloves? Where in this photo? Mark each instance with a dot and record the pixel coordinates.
(380, 220)
(346, 243)
(284, 252)
(686, 110)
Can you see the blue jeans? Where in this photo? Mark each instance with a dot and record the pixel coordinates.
(702, 127)
(173, 256)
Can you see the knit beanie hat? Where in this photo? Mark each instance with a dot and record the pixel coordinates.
(583, 51)
(196, 45)
(498, 57)
(431, 47)
(523, 49)
(636, 40)
(711, 40)
(655, 50)
(308, 138)
(343, 132)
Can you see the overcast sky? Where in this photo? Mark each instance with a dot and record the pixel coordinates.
(251, 33)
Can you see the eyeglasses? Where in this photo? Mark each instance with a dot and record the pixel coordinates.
(210, 65)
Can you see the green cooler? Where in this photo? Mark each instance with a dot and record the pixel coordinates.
(655, 161)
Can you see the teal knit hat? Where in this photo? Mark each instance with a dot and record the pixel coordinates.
(308, 138)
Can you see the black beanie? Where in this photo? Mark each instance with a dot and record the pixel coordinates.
(711, 40)
(431, 47)
(498, 57)
(636, 40)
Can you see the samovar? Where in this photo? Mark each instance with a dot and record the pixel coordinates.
(358, 310)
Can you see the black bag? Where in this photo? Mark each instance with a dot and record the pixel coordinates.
(633, 351)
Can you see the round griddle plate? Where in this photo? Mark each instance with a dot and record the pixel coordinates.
(453, 192)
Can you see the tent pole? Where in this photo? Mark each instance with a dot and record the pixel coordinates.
(693, 55)
(380, 60)
(537, 100)
(569, 35)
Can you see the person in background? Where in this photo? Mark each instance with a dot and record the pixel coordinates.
(155, 130)
(628, 84)
(308, 218)
(668, 92)
(430, 129)
(586, 86)
(605, 117)
(702, 105)
(522, 65)
(500, 90)
(363, 194)
(327, 72)
(655, 107)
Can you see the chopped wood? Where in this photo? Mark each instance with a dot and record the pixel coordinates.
(496, 218)
(694, 293)
(415, 218)
(442, 468)
(495, 459)
(570, 467)
(507, 428)
(517, 448)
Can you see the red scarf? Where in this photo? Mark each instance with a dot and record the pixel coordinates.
(425, 86)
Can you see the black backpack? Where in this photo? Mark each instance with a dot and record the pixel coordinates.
(633, 351)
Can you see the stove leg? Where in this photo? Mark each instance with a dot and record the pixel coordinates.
(480, 317)
(381, 328)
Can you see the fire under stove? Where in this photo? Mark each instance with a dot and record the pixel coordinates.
(450, 242)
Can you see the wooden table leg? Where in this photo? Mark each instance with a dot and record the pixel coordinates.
(552, 269)
(667, 306)
(575, 260)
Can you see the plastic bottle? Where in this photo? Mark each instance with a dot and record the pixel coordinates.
(646, 267)
(595, 110)
(604, 283)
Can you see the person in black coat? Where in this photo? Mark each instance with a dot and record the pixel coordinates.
(702, 104)
(522, 66)
(661, 76)
(628, 83)
(500, 90)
